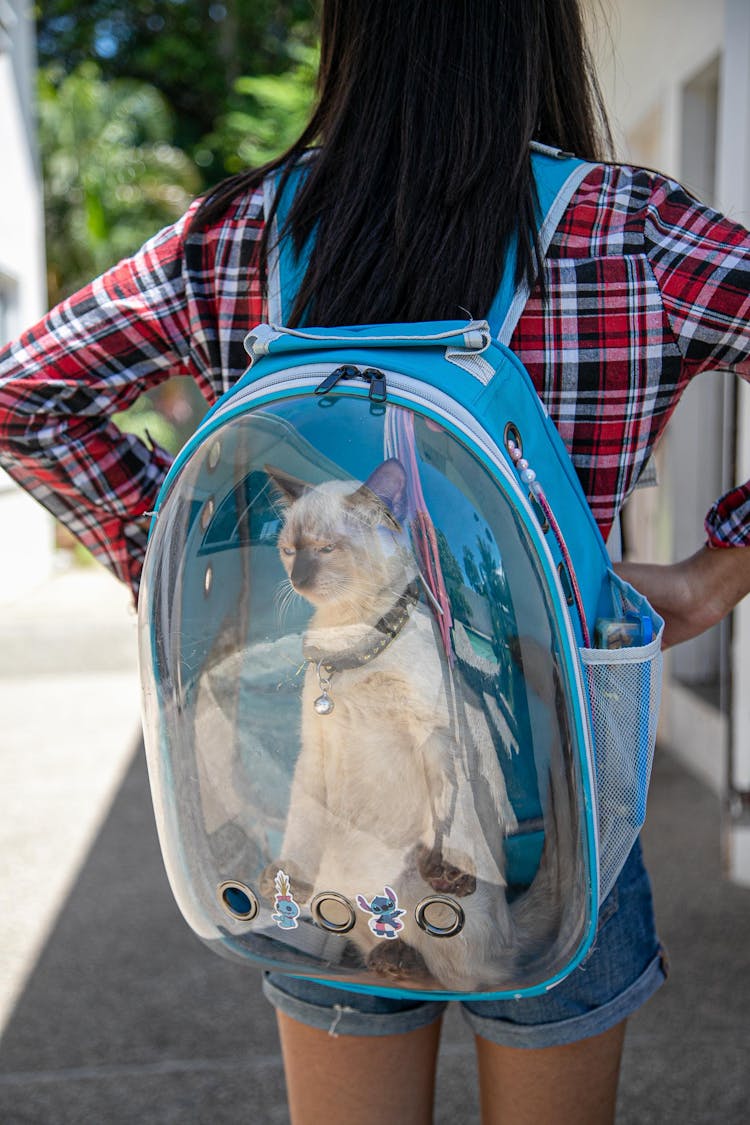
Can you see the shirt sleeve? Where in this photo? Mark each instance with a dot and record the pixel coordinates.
(701, 261)
(61, 382)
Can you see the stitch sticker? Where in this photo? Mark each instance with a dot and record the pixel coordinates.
(286, 907)
(386, 916)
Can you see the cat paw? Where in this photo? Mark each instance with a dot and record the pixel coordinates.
(352, 957)
(396, 960)
(443, 876)
(301, 890)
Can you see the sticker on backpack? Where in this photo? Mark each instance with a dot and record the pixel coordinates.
(287, 910)
(385, 921)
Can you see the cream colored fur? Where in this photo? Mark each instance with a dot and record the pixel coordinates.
(376, 777)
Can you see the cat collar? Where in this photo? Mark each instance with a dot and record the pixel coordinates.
(385, 630)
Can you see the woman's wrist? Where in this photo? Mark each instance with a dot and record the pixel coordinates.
(720, 576)
(694, 593)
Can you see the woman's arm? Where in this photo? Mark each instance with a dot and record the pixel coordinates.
(64, 379)
(694, 594)
(701, 262)
(181, 305)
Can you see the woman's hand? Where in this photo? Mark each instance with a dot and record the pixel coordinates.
(694, 594)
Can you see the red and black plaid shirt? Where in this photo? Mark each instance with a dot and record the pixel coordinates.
(645, 289)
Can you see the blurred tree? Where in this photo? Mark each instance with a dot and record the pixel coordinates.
(268, 114)
(111, 176)
(453, 577)
(141, 107)
(111, 180)
(191, 49)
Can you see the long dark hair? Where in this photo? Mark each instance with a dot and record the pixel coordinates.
(424, 116)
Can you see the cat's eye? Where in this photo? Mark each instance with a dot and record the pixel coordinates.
(325, 550)
(288, 551)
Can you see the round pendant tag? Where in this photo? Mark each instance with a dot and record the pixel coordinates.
(323, 704)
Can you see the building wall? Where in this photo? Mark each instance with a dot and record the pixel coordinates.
(645, 50)
(27, 533)
(734, 190)
(676, 78)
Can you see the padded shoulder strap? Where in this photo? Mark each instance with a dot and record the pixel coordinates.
(285, 269)
(557, 176)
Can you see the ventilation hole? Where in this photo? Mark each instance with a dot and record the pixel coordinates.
(539, 512)
(214, 455)
(567, 585)
(333, 912)
(238, 900)
(440, 916)
(207, 514)
(512, 436)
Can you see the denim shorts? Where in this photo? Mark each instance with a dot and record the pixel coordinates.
(625, 966)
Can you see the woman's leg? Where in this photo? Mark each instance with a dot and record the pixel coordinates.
(575, 1084)
(359, 1080)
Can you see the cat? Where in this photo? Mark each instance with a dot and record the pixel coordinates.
(382, 792)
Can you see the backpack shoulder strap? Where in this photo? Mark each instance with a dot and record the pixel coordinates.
(285, 269)
(557, 175)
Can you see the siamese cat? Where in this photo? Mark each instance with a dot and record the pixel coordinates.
(398, 783)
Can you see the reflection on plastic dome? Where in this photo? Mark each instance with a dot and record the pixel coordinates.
(355, 701)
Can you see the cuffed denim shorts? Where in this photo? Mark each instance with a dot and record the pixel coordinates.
(625, 966)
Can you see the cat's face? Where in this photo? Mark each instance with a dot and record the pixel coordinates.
(342, 542)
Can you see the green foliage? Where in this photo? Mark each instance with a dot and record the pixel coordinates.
(453, 577)
(269, 113)
(166, 415)
(193, 50)
(112, 178)
(141, 107)
(144, 421)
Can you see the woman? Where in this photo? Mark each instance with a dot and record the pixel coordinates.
(423, 124)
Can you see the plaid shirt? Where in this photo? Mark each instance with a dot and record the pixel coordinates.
(645, 289)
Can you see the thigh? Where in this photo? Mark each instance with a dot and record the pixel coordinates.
(353, 1056)
(368, 1080)
(574, 1084)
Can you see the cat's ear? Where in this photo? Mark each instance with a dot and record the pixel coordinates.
(388, 485)
(287, 488)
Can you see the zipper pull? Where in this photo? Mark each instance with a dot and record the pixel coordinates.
(347, 371)
(378, 389)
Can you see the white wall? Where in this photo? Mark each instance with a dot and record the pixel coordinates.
(734, 190)
(25, 528)
(649, 48)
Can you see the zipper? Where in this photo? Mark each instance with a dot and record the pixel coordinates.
(378, 390)
(306, 378)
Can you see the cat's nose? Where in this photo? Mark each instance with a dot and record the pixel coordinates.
(304, 569)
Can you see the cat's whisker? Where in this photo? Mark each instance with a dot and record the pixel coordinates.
(284, 597)
(278, 505)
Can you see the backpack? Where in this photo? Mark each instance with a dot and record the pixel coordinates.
(399, 711)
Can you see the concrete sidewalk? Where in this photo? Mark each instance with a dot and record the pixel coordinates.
(116, 1015)
(70, 719)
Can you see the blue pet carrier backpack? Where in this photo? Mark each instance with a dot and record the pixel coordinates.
(384, 749)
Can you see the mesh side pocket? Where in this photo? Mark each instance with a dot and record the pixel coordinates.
(625, 692)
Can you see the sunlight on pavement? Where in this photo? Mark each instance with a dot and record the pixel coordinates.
(70, 726)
